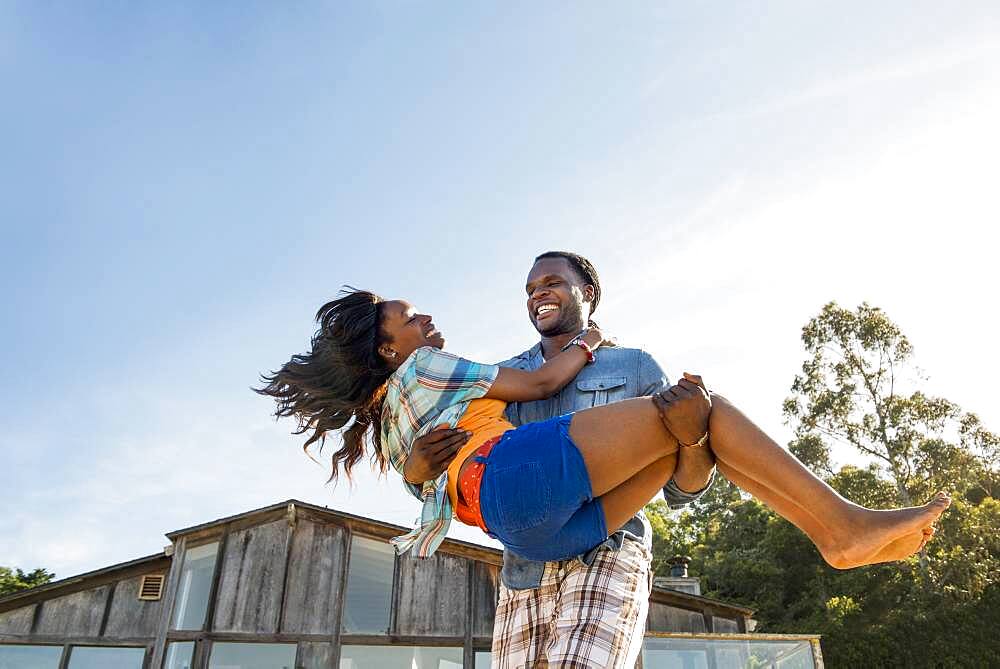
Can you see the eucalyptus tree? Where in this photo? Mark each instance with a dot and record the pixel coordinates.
(859, 387)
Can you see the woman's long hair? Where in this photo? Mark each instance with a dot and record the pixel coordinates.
(340, 381)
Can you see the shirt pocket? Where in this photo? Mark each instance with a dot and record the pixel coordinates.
(596, 391)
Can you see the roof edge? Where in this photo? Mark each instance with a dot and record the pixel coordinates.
(324, 510)
(78, 578)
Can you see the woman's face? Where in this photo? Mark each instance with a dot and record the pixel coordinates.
(407, 331)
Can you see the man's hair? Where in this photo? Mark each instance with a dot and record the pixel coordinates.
(583, 268)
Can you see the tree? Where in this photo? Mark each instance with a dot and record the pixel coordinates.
(855, 389)
(858, 387)
(14, 580)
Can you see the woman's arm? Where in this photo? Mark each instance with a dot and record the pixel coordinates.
(518, 385)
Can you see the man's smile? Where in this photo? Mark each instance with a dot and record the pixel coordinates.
(543, 311)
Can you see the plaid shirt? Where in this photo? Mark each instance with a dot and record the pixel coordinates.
(430, 388)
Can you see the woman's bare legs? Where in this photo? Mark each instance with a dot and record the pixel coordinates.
(846, 534)
(620, 440)
(621, 503)
(898, 549)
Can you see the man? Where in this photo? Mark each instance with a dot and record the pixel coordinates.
(589, 611)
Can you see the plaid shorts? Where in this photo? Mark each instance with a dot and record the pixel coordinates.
(581, 617)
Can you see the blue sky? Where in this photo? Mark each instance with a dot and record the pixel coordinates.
(181, 186)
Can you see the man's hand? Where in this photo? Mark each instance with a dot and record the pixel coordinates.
(432, 453)
(684, 409)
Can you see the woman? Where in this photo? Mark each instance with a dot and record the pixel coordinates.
(553, 489)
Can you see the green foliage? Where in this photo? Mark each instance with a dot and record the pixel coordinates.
(14, 580)
(858, 388)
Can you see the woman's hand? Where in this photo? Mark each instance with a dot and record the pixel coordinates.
(593, 338)
(432, 453)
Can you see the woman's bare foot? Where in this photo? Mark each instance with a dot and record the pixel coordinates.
(875, 531)
(904, 547)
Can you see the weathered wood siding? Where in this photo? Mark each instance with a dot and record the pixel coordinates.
(253, 571)
(17, 621)
(725, 625)
(281, 578)
(314, 579)
(664, 618)
(130, 617)
(432, 595)
(78, 614)
(314, 655)
(485, 583)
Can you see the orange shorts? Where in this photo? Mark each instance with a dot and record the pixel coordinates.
(468, 510)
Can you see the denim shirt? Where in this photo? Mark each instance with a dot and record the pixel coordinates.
(616, 374)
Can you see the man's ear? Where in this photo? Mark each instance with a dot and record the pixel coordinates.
(386, 352)
(589, 292)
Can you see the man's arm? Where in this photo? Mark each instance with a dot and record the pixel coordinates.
(431, 454)
(695, 471)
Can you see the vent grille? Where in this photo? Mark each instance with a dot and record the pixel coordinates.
(151, 587)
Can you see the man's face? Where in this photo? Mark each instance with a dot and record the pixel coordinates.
(558, 300)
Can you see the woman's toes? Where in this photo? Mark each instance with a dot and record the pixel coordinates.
(937, 505)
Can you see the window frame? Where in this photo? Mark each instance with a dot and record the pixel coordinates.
(63, 649)
(393, 588)
(67, 657)
(209, 648)
(213, 586)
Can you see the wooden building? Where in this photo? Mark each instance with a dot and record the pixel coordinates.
(296, 585)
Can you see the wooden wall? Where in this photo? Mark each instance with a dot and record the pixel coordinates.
(665, 618)
(315, 579)
(252, 579)
(725, 626)
(485, 583)
(17, 621)
(281, 577)
(110, 611)
(79, 614)
(130, 617)
(432, 596)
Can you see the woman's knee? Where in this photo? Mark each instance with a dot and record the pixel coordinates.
(718, 397)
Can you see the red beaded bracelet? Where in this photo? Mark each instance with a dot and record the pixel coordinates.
(582, 344)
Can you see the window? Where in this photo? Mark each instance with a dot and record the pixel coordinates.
(30, 657)
(252, 656)
(726, 653)
(195, 585)
(484, 659)
(400, 657)
(369, 587)
(94, 657)
(179, 655)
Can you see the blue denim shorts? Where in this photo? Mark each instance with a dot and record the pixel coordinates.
(535, 494)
